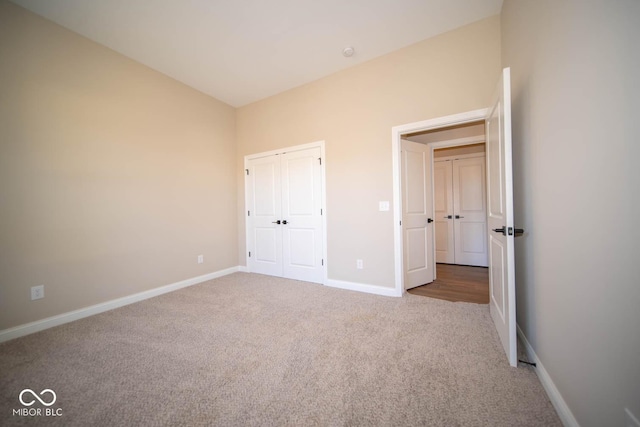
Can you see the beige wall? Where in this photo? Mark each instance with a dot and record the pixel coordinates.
(113, 177)
(576, 99)
(354, 111)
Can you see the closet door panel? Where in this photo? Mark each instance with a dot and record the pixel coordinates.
(301, 205)
(443, 200)
(265, 209)
(470, 222)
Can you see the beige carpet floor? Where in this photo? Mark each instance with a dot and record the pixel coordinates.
(251, 350)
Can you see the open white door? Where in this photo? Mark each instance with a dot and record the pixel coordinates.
(417, 210)
(500, 218)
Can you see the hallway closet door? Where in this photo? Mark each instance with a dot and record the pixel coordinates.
(470, 211)
(443, 203)
(461, 224)
(284, 216)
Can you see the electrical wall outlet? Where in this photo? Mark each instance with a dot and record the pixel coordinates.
(37, 292)
(200, 259)
(359, 264)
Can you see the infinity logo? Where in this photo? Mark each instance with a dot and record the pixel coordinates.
(38, 397)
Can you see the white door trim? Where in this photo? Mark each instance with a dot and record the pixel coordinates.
(396, 133)
(459, 156)
(284, 150)
(459, 142)
(323, 195)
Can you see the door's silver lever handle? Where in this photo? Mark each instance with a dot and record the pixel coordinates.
(501, 230)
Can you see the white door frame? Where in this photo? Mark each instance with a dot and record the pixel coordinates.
(323, 195)
(396, 135)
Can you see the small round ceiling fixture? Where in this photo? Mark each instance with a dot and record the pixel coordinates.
(348, 51)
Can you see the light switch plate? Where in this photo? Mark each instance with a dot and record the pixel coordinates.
(383, 206)
(37, 292)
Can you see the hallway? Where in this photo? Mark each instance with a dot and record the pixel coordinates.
(457, 283)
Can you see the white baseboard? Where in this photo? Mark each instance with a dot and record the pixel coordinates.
(565, 414)
(361, 287)
(60, 319)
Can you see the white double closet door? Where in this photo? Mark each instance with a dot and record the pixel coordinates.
(284, 217)
(460, 211)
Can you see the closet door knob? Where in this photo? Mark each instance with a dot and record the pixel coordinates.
(448, 217)
(284, 222)
(458, 217)
(275, 222)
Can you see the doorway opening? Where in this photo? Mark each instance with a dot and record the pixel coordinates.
(459, 227)
(445, 133)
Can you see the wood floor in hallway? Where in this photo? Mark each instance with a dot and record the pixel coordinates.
(457, 283)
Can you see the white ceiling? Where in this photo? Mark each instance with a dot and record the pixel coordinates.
(240, 51)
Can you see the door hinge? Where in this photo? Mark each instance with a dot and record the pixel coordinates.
(248, 213)
(320, 211)
(249, 254)
(247, 171)
(400, 223)
(320, 160)
(322, 262)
